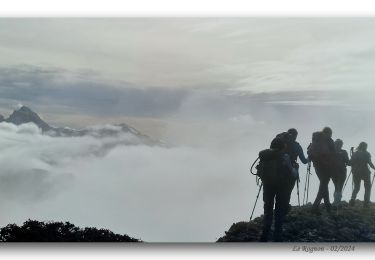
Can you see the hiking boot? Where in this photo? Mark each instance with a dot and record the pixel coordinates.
(366, 205)
(352, 202)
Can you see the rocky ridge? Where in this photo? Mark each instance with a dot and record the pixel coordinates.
(344, 224)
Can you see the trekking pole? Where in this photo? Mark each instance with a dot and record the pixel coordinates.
(299, 204)
(308, 182)
(347, 180)
(256, 200)
(304, 190)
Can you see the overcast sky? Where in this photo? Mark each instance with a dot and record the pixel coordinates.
(243, 54)
(257, 54)
(111, 66)
(218, 89)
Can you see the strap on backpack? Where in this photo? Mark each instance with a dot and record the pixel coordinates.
(251, 168)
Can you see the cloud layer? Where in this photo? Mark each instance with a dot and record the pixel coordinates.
(183, 193)
(155, 193)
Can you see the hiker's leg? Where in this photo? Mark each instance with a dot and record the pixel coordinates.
(325, 181)
(357, 185)
(341, 184)
(268, 199)
(281, 209)
(367, 184)
(319, 195)
(292, 183)
(336, 195)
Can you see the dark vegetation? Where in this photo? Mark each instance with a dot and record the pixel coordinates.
(344, 224)
(36, 231)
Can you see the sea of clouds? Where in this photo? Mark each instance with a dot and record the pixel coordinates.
(178, 193)
(153, 193)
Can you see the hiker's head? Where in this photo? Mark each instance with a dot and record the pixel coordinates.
(278, 144)
(362, 146)
(339, 143)
(328, 131)
(293, 133)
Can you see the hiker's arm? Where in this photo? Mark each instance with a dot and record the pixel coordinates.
(370, 163)
(308, 153)
(289, 165)
(301, 155)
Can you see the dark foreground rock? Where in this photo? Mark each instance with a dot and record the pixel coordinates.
(36, 231)
(344, 224)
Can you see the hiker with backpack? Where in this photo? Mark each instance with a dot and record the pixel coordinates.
(275, 170)
(322, 153)
(360, 161)
(295, 151)
(339, 175)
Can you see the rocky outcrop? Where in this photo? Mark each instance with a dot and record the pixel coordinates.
(344, 224)
(37, 231)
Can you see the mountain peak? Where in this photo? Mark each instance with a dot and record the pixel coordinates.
(25, 115)
(25, 109)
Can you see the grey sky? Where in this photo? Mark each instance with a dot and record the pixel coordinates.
(108, 65)
(248, 53)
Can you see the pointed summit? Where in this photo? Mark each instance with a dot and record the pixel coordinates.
(25, 115)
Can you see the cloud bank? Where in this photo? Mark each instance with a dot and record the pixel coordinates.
(154, 193)
(182, 193)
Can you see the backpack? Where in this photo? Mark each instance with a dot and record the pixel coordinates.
(270, 168)
(318, 147)
(359, 161)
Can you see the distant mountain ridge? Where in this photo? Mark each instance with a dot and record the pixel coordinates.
(25, 115)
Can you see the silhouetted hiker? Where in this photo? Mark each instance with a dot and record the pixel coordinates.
(339, 176)
(294, 150)
(275, 170)
(322, 153)
(359, 162)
